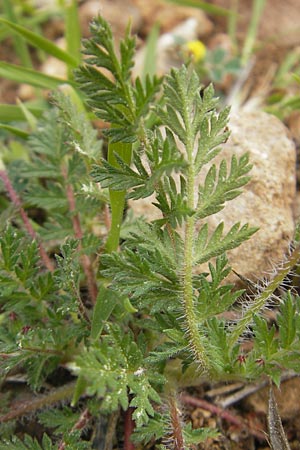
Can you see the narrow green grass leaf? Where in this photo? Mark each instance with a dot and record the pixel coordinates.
(31, 22)
(9, 113)
(73, 33)
(29, 76)
(296, 77)
(149, 66)
(30, 118)
(250, 39)
(14, 130)
(205, 6)
(20, 46)
(41, 43)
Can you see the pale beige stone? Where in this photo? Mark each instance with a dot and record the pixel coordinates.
(267, 200)
(169, 16)
(118, 13)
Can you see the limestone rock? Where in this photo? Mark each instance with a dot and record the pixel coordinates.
(53, 66)
(169, 16)
(267, 200)
(118, 13)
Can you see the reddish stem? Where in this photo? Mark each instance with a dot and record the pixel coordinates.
(17, 202)
(82, 422)
(176, 424)
(128, 429)
(188, 399)
(86, 262)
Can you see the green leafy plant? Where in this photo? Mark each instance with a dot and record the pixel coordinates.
(130, 323)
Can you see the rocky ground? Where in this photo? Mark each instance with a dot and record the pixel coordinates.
(272, 196)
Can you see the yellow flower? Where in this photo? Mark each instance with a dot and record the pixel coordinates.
(196, 49)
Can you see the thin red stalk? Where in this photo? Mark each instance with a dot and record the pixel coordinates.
(226, 415)
(176, 424)
(82, 422)
(17, 202)
(128, 429)
(86, 262)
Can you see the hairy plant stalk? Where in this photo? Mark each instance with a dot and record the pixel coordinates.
(85, 260)
(262, 298)
(82, 422)
(46, 351)
(17, 202)
(188, 297)
(43, 401)
(177, 437)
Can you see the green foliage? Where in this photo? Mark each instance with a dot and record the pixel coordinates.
(218, 64)
(118, 102)
(71, 443)
(113, 368)
(62, 420)
(155, 428)
(144, 273)
(28, 444)
(198, 435)
(133, 323)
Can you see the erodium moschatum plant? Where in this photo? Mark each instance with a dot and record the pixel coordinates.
(119, 305)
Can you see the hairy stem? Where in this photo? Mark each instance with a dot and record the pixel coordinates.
(188, 291)
(17, 202)
(261, 299)
(177, 436)
(30, 406)
(85, 260)
(82, 422)
(37, 350)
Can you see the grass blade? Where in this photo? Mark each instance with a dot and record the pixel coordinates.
(149, 66)
(207, 7)
(73, 33)
(20, 46)
(14, 130)
(10, 113)
(257, 11)
(30, 76)
(41, 43)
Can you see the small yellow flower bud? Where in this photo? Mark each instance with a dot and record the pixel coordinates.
(196, 49)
